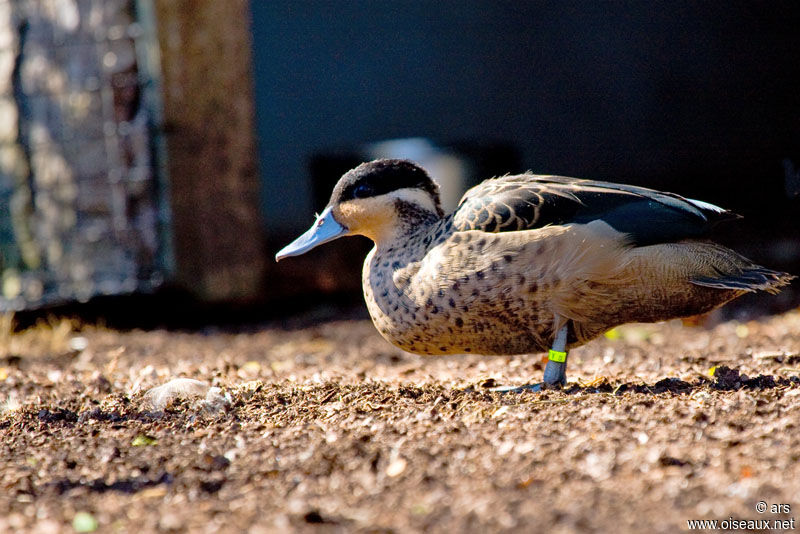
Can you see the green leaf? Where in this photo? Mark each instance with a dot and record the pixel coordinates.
(84, 522)
(143, 440)
(612, 334)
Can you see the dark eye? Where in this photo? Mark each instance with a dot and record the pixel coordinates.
(362, 191)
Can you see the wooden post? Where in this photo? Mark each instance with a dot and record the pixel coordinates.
(211, 147)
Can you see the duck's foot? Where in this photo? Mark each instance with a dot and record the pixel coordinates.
(520, 389)
(555, 372)
(539, 386)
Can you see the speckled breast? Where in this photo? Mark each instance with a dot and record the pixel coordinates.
(446, 299)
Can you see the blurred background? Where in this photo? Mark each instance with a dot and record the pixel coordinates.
(155, 154)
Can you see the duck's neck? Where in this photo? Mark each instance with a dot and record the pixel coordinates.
(411, 222)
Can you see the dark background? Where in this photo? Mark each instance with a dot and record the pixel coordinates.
(699, 98)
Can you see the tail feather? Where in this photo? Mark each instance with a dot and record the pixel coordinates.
(754, 278)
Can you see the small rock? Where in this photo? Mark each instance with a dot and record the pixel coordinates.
(314, 517)
(47, 526)
(101, 383)
(161, 397)
(212, 485)
(396, 468)
(78, 343)
(170, 522)
(215, 462)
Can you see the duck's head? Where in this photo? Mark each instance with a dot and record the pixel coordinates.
(382, 199)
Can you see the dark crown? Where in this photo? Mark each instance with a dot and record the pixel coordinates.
(383, 176)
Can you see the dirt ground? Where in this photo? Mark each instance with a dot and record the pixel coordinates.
(324, 427)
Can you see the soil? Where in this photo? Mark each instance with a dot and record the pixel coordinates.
(324, 427)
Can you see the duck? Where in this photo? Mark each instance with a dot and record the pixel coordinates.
(528, 263)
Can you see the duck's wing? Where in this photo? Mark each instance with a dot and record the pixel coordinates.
(526, 202)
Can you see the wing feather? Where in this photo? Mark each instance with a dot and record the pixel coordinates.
(527, 201)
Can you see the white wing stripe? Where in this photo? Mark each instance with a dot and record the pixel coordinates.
(706, 206)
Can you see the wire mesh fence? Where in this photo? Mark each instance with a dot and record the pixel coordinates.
(82, 198)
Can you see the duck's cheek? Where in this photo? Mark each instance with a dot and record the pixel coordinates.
(349, 214)
(365, 217)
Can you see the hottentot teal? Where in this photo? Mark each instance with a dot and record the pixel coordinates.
(528, 263)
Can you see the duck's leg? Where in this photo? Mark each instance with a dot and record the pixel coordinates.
(555, 372)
